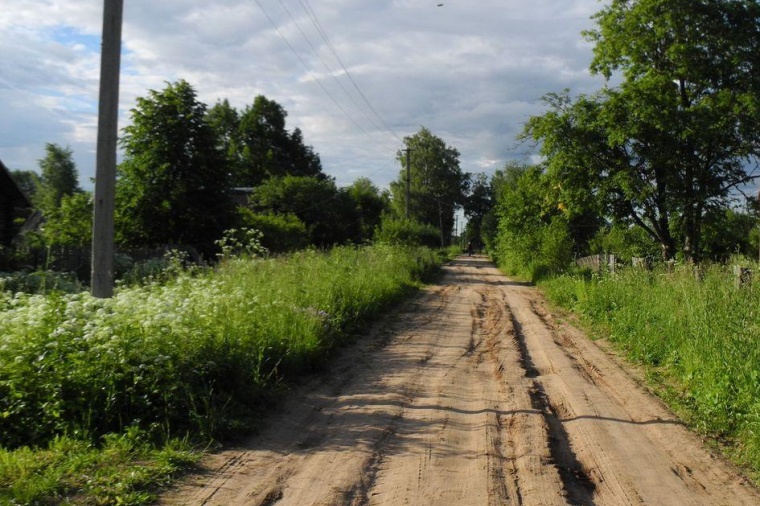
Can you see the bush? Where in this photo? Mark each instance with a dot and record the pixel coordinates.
(281, 232)
(399, 232)
(40, 282)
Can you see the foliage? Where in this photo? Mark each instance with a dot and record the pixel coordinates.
(173, 185)
(39, 282)
(225, 121)
(534, 234)
(327, 212)
(369, 205)
(697, 334)
(28, 181)
(669, 145)
(478, 205)
(729, 232)
(438, 185)
(257, 144)
(198, 353)
(394, 231)
(281, 233)
(59, 178)
(70, 224)
(625, 242)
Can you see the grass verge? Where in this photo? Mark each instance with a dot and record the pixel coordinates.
(193, 359)
(697, 335)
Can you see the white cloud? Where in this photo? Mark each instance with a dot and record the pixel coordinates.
(472, 72)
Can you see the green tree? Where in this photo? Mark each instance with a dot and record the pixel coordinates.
(173, 185)
(533, 235)
(280, 232)
(326, 211)
(729, 232)
(499, 183)
(478, 204)
(225, 120)
(59, 177)
(302, 159)
(403, 232)
(267, 149)
(687, 110)
(370, 204)
(624, 241)
(71, 223)
(438, 185)
(591, 169)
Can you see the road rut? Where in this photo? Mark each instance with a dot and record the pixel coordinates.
(472, 393)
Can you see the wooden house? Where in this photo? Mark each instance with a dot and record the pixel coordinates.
(13, 204)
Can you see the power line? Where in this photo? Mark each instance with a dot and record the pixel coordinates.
(327, 67)
(315, 21)
(316, 79)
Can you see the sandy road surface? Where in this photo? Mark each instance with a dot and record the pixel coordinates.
(472, 394)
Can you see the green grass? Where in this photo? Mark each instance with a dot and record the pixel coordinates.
(125, 470)
(698, 335)
(197, 357)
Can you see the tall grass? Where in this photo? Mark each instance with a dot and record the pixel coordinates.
(196, 353)
(195, 356)
(698, 333)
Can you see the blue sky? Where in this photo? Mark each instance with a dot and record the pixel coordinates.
(471, 72)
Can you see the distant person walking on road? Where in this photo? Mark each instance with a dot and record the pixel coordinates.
(469, 249)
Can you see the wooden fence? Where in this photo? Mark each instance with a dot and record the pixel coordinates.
(598, 263)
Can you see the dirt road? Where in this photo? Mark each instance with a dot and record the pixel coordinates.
(471, 395)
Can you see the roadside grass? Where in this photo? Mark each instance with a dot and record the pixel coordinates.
(89, 385)
(124, 470)
(696, 333)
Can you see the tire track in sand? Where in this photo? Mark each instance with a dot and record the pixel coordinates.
(470, 394)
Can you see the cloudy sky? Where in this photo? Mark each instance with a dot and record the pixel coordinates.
(355, 76)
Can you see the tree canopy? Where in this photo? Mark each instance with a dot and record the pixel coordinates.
(258, 145)
(478, 204)
(677, 137)
(438, 184)
(59, 177)
(173, 185)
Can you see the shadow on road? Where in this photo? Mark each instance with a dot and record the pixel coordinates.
(455, 269)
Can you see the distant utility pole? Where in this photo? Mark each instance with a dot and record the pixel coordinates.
(105, 168)
(408, 181)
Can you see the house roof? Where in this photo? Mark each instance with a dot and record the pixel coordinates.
(10, 191)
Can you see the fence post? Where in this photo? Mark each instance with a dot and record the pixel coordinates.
(742, 276)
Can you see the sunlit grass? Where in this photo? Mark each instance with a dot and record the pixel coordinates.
(698, 334)
(196, 357)
(125, 469)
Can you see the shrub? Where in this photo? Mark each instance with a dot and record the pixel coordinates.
(280, 232)
(397, 232)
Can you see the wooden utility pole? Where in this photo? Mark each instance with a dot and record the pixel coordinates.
(105, 168)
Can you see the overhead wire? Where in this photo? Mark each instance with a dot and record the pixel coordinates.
(323, 34)
(315, 21)
(314, 77)
(327, 67)
(311, 74)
